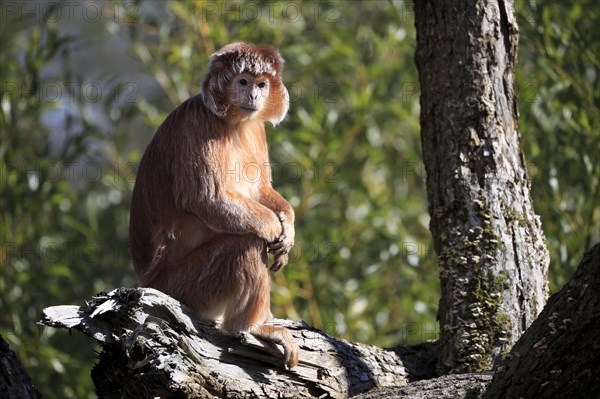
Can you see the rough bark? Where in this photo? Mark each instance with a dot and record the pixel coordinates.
(14, 380)
(489, 243)
(152, 346)
(454, 386)
(559, 355)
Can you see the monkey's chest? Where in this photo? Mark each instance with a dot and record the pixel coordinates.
(246, 170)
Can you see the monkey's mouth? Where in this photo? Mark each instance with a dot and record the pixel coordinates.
(249, 109)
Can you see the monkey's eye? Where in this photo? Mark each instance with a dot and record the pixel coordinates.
(243, 82)
(262, 85)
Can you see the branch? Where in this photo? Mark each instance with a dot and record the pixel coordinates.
(559, 355)
(451, 386)
(154, 346)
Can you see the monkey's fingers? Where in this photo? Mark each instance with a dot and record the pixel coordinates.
(276, 266)
(291, 357)
(281, 216)
(278, 241)
(275, 244)
(275, 247)
(280, 248)
(280, 261)
(281, 237)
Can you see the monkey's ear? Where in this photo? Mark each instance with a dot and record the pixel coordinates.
(214, 87)
(279, 102)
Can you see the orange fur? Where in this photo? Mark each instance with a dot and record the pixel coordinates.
(204, 213)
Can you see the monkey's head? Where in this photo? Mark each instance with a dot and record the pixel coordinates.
(244, 83)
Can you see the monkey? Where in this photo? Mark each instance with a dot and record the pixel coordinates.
(204, 215)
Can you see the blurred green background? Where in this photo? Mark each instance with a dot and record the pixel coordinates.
(85, 84)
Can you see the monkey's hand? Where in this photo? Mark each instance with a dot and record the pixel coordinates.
(283, 244)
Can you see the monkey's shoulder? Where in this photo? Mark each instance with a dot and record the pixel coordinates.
(189, 120)
(194, 111)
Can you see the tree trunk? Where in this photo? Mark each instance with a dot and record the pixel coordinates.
(489, 243)
(559, 355)
(14, 380)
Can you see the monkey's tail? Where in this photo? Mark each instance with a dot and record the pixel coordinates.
(149, 273)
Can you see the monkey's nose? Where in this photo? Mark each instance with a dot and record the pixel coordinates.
(254, 94)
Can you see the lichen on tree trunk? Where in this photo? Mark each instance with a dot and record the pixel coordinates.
(489, 242)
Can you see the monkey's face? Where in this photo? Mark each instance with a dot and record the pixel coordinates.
(244, 84)
(248, 94)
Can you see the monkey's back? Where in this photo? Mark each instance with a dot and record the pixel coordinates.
(167, 158)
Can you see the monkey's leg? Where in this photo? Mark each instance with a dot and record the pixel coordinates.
(250, 308)
(207, 279)
(228, 277)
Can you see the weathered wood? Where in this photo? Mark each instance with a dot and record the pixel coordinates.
(559, 355)
(14, 380)
(488, 239)
(454, 386)
(153, 346)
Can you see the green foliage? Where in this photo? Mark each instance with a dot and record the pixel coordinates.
(83, 92)
(63, 230)
(558, 74)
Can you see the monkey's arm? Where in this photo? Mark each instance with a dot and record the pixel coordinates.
(275, 202)
(234, 213)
